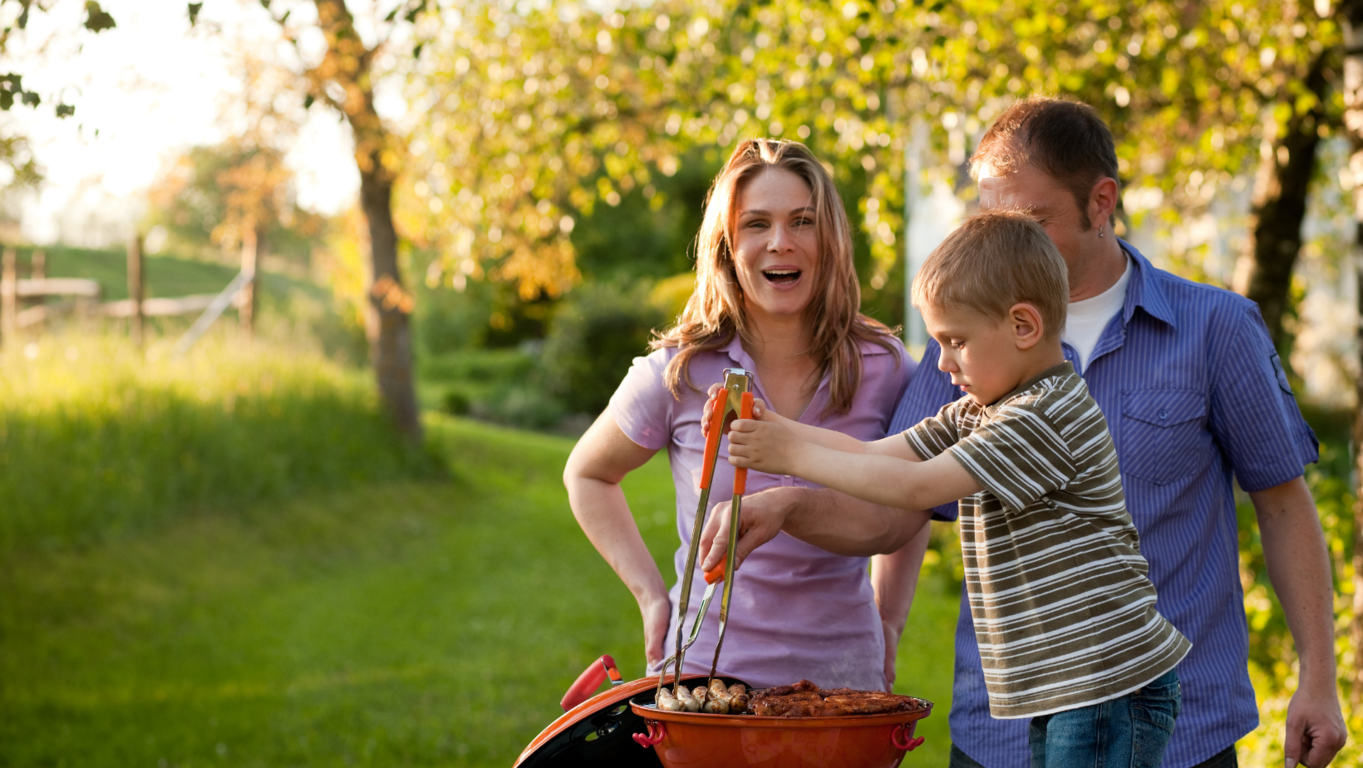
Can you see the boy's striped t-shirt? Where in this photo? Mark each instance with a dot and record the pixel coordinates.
(1064, 612)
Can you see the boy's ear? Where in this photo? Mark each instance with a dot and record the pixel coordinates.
(1027, 325)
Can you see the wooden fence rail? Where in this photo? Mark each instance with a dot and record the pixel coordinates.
(82, 299)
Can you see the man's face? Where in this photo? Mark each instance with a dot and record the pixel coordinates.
(1033, 192)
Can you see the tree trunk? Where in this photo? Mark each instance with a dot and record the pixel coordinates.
(1351, 19)
(1279, 207)
(349, 64)
(390, 306)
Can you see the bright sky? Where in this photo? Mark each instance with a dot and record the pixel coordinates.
(144, 91)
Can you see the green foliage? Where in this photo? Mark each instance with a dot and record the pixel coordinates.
(95, 441)
(649, 232)
(96, 18)
(578, 107)
(497, 385)
(482, 314)
(17, 14)
(405, 623)
(16, 155)
(205, 197)
(598, 331)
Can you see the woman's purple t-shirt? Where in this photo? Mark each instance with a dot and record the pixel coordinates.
(796, 611)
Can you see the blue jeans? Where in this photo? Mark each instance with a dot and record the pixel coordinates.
(1127, 732)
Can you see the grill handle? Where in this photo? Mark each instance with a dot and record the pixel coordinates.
(591, 678)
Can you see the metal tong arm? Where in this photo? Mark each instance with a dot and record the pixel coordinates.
(736, 382)
(712, 576)
(716, 419)
(740, 487)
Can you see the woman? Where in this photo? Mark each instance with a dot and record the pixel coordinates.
(775, 294)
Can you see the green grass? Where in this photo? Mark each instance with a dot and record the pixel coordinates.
(166, 275)
(96, 440)
(408, 623)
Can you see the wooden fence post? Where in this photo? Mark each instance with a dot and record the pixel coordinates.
(9, 296)
(37, 263)
(135, 286)
(246, 302)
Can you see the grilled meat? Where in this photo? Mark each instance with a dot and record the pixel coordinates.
(804, 699)
(738, 698)
(688, 701)
(667, 702)
(718, 701)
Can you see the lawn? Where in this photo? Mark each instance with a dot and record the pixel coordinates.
(418, 622)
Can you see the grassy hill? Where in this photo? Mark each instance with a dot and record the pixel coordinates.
(288, 305)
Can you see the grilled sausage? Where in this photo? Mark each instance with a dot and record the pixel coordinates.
(718, 701)
(667, 702)
(738, 698)
(688, 701)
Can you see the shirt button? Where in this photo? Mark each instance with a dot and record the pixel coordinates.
(1163, 414)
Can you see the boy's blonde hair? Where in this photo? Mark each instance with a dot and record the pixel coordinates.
(993, 261)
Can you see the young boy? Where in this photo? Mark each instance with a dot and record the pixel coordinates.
(1064, 613)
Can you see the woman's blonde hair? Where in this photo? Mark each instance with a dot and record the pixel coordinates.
(715, 311)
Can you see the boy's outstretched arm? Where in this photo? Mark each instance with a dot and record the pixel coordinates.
(894, 445)
(773, 447)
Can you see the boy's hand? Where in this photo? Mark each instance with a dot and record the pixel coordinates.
(765, 445)
(717, 392)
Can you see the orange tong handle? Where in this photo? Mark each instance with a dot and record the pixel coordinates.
(712, 441)
(715, 574)
(741, 475)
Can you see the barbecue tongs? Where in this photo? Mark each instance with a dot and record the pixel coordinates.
(737, 399)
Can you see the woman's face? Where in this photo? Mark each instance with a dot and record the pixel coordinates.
(776, 252)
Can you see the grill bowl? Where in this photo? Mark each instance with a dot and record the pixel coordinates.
(700, 740)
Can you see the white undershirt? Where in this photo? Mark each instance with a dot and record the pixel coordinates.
(1088, 318)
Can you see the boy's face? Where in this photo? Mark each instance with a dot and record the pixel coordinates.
(979, 352)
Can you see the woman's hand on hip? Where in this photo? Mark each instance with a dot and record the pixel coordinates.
(657, 613)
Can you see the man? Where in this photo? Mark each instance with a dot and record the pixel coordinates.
(1194, 394)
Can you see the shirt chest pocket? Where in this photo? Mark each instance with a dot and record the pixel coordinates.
(1163, 434)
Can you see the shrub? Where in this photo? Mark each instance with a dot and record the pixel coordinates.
(595, 335)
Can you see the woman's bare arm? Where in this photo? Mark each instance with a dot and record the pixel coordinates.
(598, 463)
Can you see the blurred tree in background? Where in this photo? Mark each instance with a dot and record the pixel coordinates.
(340, 74)
(205, 196)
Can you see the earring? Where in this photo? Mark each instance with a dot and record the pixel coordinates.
(1100, 230)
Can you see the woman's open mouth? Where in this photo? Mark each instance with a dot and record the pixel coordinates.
(781, 276)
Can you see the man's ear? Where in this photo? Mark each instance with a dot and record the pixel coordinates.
(1102, 201)
(1027, 326)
